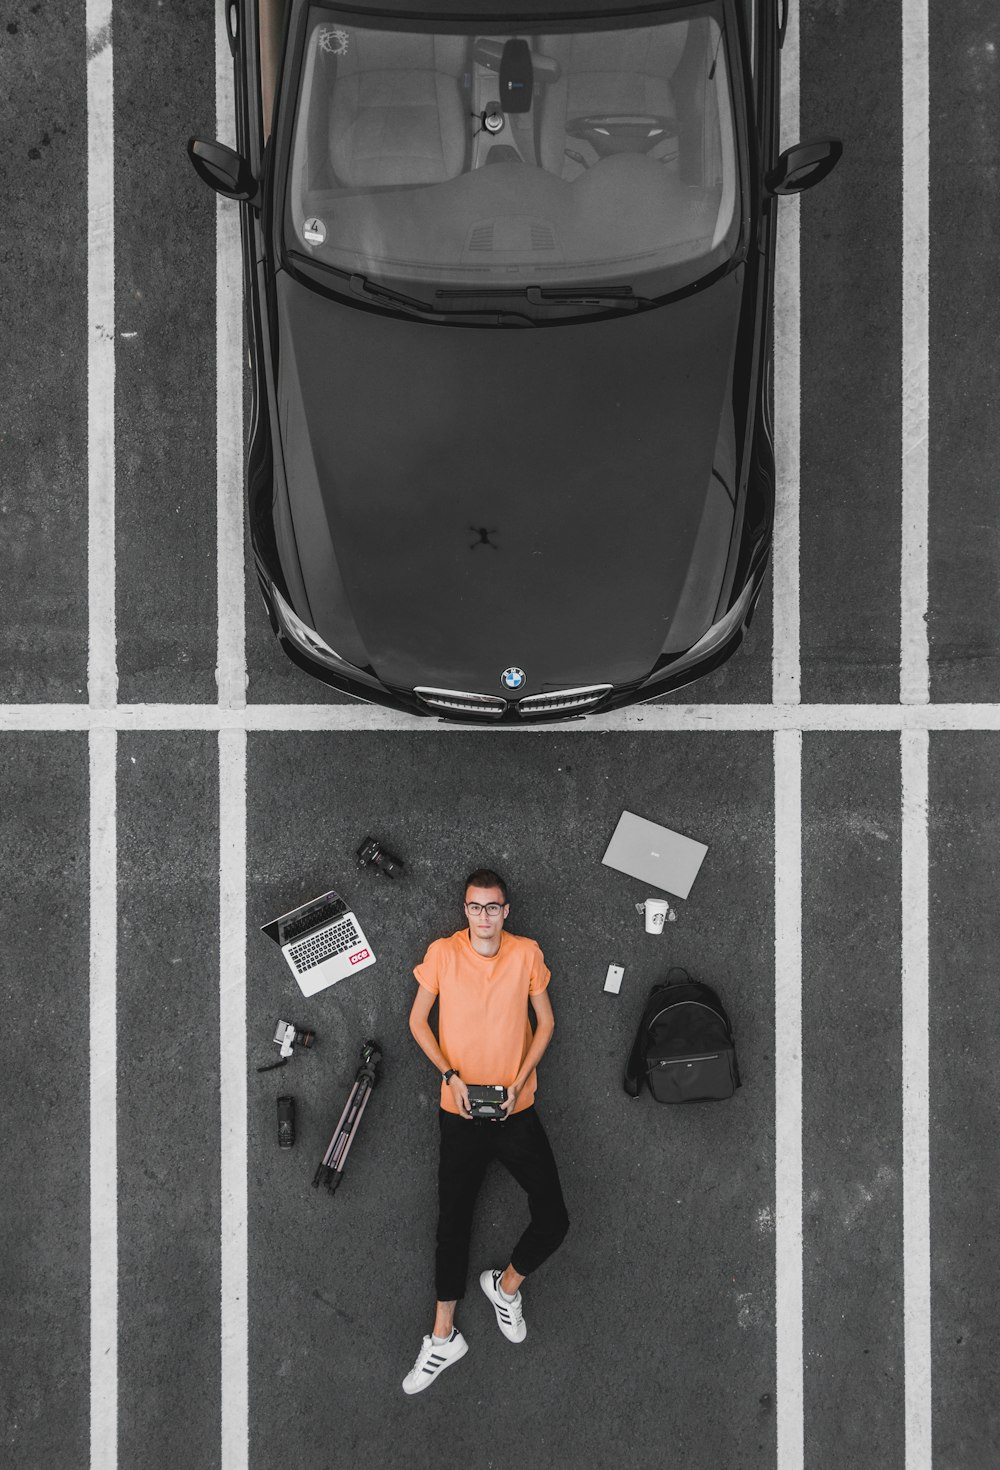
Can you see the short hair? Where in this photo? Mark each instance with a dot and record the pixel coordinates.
(486, 878)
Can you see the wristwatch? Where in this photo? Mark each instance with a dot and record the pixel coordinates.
(451, 1072)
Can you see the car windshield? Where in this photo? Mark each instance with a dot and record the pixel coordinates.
(484, 164)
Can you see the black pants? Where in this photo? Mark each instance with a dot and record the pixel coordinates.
(466, 1149)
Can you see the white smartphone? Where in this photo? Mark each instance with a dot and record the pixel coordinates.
(613, 979)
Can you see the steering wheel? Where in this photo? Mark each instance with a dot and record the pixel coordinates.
(609, 135)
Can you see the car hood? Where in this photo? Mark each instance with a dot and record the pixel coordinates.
(477, 498)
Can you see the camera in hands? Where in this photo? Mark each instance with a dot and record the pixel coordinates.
(486, 1102)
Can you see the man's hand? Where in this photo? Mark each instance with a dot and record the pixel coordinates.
(511, 1098)
(460, 1093)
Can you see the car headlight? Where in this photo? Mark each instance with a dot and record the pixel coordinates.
(718, 634)
(305, 637)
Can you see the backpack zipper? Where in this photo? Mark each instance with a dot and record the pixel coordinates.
(681, 1061)
(675, 1003)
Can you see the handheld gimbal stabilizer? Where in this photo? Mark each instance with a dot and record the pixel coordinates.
(332, 1167)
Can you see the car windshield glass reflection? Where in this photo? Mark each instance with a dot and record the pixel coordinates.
(486, 163)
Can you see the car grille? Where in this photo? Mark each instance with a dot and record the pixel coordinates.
(454, 701)
(533, 706)
(563, 701)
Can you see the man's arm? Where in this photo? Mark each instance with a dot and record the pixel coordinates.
(545, 1024)
(423, 1004)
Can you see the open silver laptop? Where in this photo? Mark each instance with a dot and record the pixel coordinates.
(654, 854)
(322, 942)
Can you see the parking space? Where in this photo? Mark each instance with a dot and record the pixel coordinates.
(851, 343)
(808, 1275)
(635, 1298)
(43, 322)
(964, 1156)
(965, 373)
(852, 1120)
(165, 545)
(168, 1093)
(44, 1216)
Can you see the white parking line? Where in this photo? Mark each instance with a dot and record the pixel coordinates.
(916, 1102)
(366, 718)
(102, 685)
(786, 656)
(232, 683)
(233, 1096)
(788, 1096)
(231, 670)
(103, 1102)
(102, 675)
(914, 676)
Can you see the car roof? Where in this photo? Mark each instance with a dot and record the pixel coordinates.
(496, 10)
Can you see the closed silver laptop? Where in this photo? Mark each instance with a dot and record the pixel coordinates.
(654, 854)
(322, 942)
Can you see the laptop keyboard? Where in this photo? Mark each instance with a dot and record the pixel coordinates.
(323, 946)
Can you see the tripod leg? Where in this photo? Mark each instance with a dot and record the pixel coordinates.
(337, 1131)
(329, 1172)
(348, 1122)
(341, 1157)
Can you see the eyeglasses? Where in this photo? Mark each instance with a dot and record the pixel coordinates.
(475, 909)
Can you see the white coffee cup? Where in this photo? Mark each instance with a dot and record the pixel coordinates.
(656, 914)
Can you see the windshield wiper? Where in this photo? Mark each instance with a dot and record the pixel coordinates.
(620, 296)
(598, 296)
(361, 286)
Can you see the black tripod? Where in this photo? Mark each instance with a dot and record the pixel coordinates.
(331, 1169)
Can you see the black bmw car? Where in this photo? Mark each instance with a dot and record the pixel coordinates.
(508, 276)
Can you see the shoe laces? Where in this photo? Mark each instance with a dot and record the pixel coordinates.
(429, 1347)
(513, 1305)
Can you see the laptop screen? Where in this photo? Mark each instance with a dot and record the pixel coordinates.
(306, 917)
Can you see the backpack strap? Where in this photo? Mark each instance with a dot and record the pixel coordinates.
(634, 1070)
(635, 1067)
(675, 970)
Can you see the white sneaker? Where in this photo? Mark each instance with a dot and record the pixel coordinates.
(510, 1318)
(432, 1359)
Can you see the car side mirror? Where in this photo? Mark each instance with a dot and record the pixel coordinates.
(226, 172)
(801, 167)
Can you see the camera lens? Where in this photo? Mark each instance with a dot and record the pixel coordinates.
(286, 1122)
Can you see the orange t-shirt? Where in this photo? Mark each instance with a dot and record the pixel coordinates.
(483, 1025)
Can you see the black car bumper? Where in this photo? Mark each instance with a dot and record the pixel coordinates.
(361, 685)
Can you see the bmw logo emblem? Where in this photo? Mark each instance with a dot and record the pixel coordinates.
(512, 678)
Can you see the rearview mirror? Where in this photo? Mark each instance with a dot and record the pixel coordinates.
(801, 167)
(226, 172)
(489, 53)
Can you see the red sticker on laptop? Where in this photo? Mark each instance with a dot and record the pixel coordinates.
(362, 954)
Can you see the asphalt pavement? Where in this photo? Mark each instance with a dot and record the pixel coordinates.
(654, 1333)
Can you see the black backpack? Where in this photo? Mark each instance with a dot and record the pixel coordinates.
(684, 1047)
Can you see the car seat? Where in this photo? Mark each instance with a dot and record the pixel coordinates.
(397, 115)
(608, 74)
